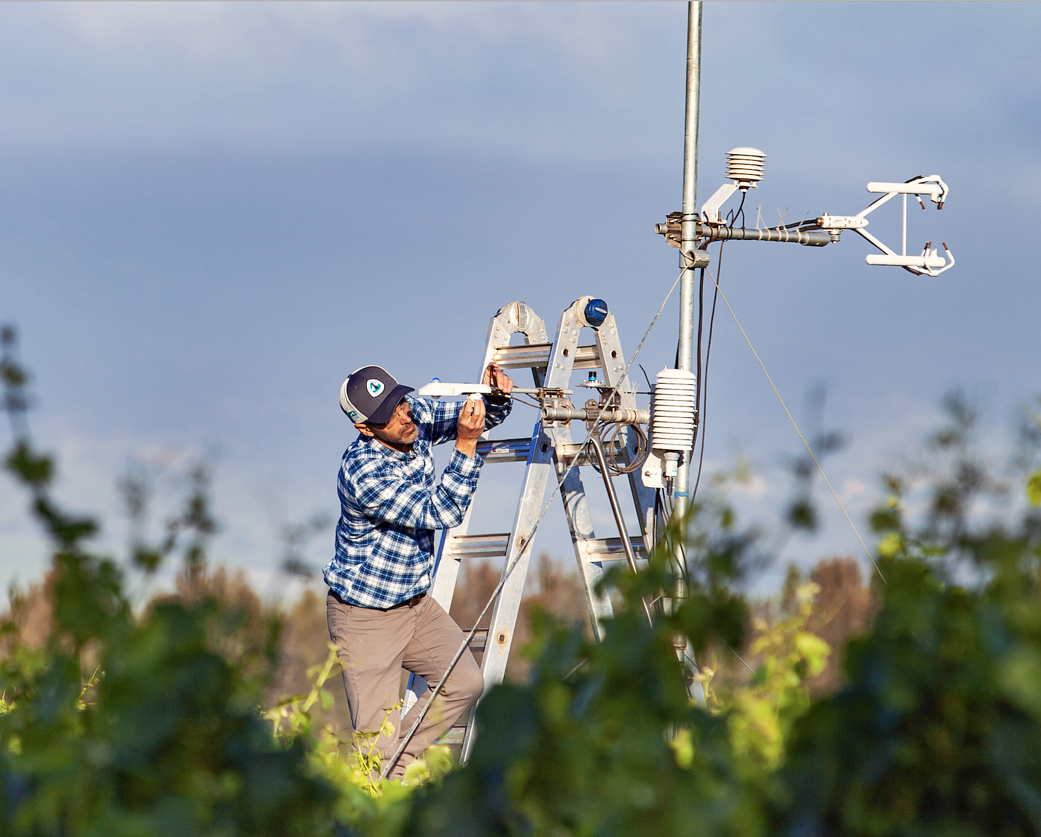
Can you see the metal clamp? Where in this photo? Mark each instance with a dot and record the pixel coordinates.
(694, 259)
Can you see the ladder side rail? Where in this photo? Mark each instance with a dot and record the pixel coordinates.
(512, 318)
(518, 556)
(540, 457)
(560, 365)
(507, 320)
(613, 362)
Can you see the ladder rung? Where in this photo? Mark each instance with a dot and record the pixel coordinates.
(477, 546)
(610, 549)
(504, 450)
(454, 736)
(480, 640)
(536, 356)
(587, 357)
(531, 356)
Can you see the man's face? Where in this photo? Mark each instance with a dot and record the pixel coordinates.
(398, 433)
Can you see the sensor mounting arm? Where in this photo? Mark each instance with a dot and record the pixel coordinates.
(928, 262)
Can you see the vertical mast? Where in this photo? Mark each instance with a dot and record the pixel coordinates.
(685, 350)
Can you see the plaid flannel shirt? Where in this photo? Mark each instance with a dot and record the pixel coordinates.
(389, 507)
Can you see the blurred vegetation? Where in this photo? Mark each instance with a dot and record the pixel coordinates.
(909, 705)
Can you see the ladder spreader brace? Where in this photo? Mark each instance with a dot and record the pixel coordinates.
(548, 452)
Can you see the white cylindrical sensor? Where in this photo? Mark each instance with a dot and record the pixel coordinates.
(673, 410)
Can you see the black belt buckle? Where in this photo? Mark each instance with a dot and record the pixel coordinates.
(408, 602)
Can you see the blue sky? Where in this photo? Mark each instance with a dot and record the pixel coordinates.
(211, 213)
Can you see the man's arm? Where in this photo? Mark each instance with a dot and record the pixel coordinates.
(378, 494)
(498, 406)
(381, 495)
(470, 426)
(446, 417)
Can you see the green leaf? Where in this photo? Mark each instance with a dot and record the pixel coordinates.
(35, 469)
(814, 650)
(1034, 489)
(1020, 678)
(890, 545)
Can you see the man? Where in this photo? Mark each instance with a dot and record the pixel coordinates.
(380, 616)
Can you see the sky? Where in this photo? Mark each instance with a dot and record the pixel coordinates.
(211, 213)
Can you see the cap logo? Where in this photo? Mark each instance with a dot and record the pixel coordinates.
(374, 387)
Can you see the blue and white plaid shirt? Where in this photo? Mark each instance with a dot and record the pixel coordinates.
(389, 507)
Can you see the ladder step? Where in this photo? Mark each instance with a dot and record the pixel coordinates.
(536, 356)
(454, 736)
(477, 546)
(504, 450)
(610, 549)
(530, 356)
(479, 641)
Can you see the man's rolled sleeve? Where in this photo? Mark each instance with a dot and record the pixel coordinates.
(380, 495)
(464, 469)
(498, 407)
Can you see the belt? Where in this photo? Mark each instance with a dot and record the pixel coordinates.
(407, 603)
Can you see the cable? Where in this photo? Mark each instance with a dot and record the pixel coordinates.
(809, 450)
(527, 542)
(742, 660)
(703, 386)
(741, 209)
(611, 449)
(521, 400)
(701, 395)
(697, 380)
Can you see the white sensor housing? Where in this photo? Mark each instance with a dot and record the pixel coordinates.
(745, 167)
(672, 411)
(745, 170)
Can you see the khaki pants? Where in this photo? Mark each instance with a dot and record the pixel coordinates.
(376, 644)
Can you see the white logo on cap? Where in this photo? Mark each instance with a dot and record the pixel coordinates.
(374, 387)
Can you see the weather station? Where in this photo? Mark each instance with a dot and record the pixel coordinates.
(649, 446)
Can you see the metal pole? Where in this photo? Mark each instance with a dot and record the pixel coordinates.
(685, 349)
(688, 230)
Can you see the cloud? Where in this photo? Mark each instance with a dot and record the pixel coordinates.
(756, 488)
(361, 34)
(199, 195)
(278, 75)
(852, 488)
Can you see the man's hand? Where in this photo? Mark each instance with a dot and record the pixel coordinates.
(497, 379)
(470, 425)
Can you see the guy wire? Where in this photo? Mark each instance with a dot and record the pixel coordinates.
(527, 544)
(809, 450)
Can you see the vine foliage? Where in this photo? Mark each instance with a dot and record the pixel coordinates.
(151, 723)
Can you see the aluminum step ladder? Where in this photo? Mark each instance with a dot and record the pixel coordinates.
(548, 452)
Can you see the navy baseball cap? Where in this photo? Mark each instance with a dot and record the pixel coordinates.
(370, 395)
